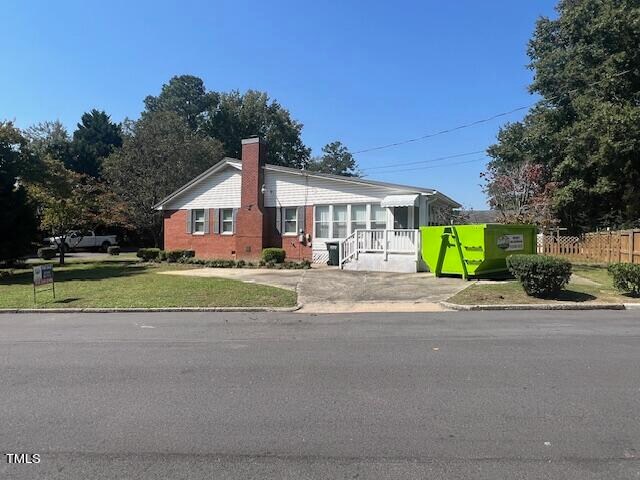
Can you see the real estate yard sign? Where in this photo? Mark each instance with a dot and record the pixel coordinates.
(43, 275)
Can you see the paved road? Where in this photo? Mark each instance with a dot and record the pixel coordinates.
(445, 395)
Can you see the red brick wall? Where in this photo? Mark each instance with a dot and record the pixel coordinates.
(294, 248)
(249, 226)
(216, 246)
(209, 245)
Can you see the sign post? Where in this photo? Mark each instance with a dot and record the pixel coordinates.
(43, 275)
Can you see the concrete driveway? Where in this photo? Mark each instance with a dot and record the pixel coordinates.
(330, 290)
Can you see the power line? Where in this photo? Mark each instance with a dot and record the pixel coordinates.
(483, 120)
(435, 166)
(442, 132)
(394, 165)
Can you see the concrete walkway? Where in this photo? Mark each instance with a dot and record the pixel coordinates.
(330, 290)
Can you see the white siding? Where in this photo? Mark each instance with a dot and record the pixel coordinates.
(291, 190)
(219, 190)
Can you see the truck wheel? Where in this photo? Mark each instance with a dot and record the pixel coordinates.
(105, 246)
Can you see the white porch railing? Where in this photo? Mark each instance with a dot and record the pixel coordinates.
(379, 241)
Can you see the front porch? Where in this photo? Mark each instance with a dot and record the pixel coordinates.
(382, 250)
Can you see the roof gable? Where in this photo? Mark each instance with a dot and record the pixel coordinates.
(228, 162)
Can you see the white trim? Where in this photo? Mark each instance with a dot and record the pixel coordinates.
(222, 222)
(283, 218)
(194, 230)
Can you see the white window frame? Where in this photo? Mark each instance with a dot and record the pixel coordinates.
(349, 220)
(370, 220)
(315, 222)
(194, 223)
(285, 221)
(367, 209)
(223, 221)
(334, 221)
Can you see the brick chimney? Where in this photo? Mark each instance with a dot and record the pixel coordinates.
(249, 219)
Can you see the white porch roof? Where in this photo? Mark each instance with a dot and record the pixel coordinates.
(400, 200)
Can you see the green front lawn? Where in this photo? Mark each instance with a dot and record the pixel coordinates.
(109, 284)
(599, 290)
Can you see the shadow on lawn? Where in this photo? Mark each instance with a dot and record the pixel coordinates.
(99, 271)
(573, 296)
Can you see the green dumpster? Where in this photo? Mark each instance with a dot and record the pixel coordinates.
(334, 253)
(474, 250)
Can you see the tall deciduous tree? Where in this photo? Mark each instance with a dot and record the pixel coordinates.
(231, 116)
(586, 129)
(94, 139)
(335, 159)
(17, 212)
(160, 153)
(520, 194)
(50, 138)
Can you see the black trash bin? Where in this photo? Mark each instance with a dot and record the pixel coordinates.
(334, 253)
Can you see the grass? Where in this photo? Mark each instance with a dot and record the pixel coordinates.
(599, 289)
(130, 284)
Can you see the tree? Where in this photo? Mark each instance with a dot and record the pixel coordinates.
(519, 192)
(586, 129)
(186, 96)
(17, 212)
(160, 153)
(50, 138)
(231, 116)
(94, 139)
(336, 159)
(69, 200)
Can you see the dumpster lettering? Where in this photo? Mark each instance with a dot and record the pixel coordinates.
(511, 242)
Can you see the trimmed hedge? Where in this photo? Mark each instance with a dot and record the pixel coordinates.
(540, 276)
(626, 277)
(275, 255)
(173, 256)
(304, 264)
(148, 254)
(47, 253)
(113, 250)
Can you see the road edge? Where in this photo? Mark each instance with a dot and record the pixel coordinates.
(154, 310)
(542, 306)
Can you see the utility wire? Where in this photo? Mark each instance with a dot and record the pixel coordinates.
(483, 120)
(395, 165)
(434, 166)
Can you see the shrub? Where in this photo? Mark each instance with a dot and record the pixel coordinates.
(47, 253)
(540, 276)
(626, 277)
(220, 263)
(240, 263)
(179, 255)
(275, 255)
(148, 254)
(113, 250)
(162, 256)
(14, 263)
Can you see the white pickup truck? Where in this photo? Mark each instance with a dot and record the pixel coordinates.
(77, 239)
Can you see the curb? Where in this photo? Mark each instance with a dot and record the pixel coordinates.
(151, 310)
(543, 306)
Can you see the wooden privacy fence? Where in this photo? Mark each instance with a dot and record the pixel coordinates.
(603, 247)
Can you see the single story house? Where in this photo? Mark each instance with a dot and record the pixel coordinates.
(238, 207)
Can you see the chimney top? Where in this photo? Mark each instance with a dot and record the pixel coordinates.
(252, 139)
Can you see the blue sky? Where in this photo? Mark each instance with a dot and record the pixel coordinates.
(366, 73)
